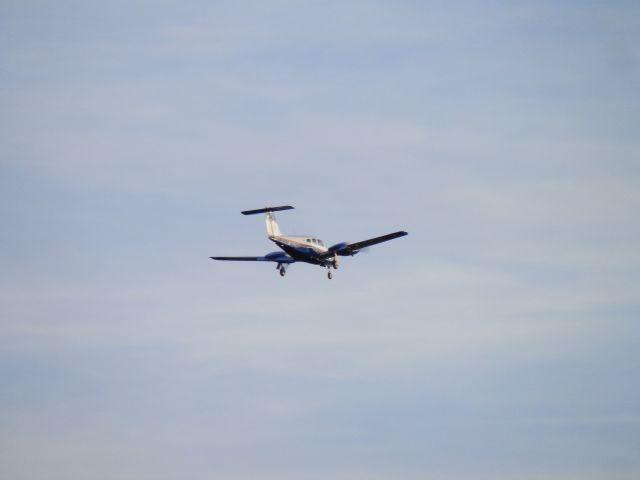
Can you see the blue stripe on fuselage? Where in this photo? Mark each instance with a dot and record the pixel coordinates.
(299, 251)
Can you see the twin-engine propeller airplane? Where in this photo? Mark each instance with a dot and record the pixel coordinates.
(303, 248)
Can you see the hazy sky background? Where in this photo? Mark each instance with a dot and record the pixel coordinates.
(499, 340)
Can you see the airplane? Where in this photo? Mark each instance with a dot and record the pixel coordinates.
(307, 249)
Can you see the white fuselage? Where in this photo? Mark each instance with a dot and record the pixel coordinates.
(301, 248)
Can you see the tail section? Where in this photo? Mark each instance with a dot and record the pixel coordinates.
(272, 225)
(273, 230)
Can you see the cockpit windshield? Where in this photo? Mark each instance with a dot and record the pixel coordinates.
(315, 241)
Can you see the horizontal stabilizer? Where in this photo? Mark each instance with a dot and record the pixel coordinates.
(267, 209)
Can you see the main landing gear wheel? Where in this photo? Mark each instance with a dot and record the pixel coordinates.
(329, 275)
(282, 272)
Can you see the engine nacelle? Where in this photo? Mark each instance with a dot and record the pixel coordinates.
(275, 256)
(338, 246)
(342, 249)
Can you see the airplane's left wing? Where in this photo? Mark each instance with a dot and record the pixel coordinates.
(279, 257)
(240, 259)
(352, 248)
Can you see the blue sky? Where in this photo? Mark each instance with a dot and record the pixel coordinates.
(500, 339)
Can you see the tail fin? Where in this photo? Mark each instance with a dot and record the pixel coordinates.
(272, 225)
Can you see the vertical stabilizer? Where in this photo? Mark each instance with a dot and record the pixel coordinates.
(273, 230)
(272, 225)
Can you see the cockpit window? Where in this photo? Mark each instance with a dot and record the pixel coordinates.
(315, 241)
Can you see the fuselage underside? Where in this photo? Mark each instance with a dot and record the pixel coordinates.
(303, 249)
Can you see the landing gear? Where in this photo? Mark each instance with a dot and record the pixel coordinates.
(333, 264)
(281, 268)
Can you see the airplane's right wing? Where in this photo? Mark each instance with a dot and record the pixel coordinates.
(372, 241)
(344, 249)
